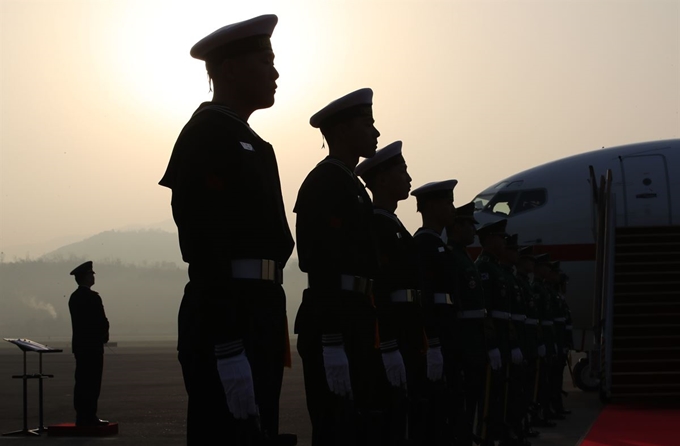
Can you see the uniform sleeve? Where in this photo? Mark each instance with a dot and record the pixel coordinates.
(427, 271)
(487, 286)
(325, 217)
(387, 258)
(104, 322)
(210, 209)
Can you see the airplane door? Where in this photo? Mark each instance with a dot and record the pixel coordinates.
(646, 190)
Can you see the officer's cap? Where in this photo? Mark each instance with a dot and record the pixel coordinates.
(543, 259)
(238, 38)
(555, 266)
(466, 212)
(83, 269)
(435, 189)
(384, 158)
(356, 103)
(526, 252)
(492, 228)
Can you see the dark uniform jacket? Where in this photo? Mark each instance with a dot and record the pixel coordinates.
(437, 267)
(478, 334)
(532, 330)
(517, 307)
(89, 322)
(398, 270)
(334, 229)
(546, 310)
(227, 204)
(498, 289)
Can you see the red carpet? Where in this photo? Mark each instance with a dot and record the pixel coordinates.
(71, 430)
(623, 425)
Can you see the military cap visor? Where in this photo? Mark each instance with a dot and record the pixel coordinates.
(493, 228)
(466, 212)
(435, 189)
(384, 158)
(354, 104)
(238, 38)
(526, 252)
(543, 259)
(83, 268)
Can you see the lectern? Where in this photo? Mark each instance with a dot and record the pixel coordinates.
(26, 345)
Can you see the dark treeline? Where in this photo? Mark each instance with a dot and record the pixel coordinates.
(141, 301)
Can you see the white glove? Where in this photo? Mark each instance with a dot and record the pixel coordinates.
(435, 364)
(495, 359)
(541, 351)
(337, 369)
(394, 367)
(516, 355)
(237, 381)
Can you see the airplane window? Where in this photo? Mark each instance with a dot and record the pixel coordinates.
(530, 199)
(501, 203)
(511, 203)
(481, 201)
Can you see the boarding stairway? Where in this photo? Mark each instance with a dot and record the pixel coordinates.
(645, 314)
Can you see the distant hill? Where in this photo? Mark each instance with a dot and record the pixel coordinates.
(140, 275)
(146, 247)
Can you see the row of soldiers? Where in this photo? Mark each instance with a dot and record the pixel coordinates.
(469, 350)
(403, 339)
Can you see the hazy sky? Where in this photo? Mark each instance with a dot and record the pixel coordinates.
(94, 93)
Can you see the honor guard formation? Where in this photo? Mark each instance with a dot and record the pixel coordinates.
(404, 338)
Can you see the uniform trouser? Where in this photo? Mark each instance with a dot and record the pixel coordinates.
(89, 368)
(405, 415)
(340, 420)
(530, 375)
(495, 428)
(517, 398)
(445, 403)
(556, 380)
(474, 375)
(209, 420)
(545, 380)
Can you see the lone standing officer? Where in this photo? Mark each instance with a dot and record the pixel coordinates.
(336, 320)
(90, 333)
(397, 295)
(233, 233)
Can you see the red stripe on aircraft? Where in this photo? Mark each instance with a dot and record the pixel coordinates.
(565, 253)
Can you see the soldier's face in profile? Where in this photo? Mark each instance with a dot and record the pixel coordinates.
(399, 181)
(445, 211)
(255, 78)
(468, 232)
(512, 255)
(361, 134)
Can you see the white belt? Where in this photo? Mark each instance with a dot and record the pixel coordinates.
(548, 323)
(442, 298)
(570, 327)
(260, 269)
(405, 296)
(356, 283)
(501, 315)
(560, 319)
(472, 314)
(531, 321)
(519, 317)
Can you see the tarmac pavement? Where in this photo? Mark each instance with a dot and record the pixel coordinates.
(143, 391)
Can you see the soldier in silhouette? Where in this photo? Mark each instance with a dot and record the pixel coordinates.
(233, 233)
(90, 333)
